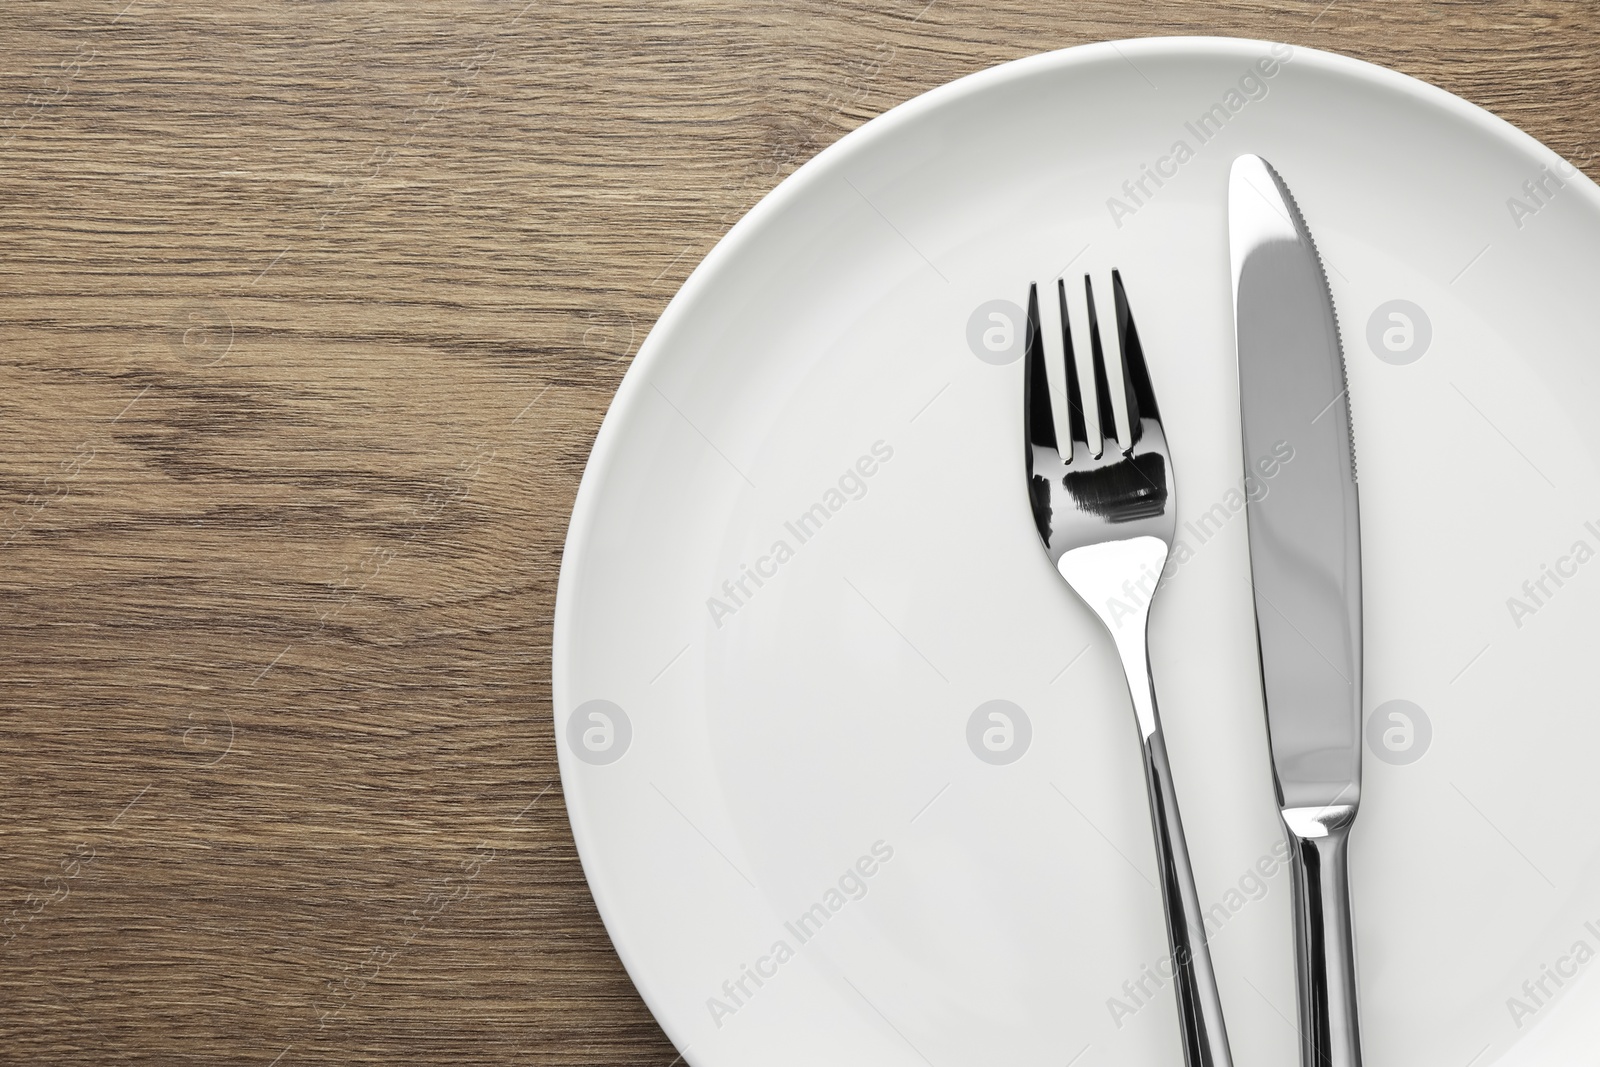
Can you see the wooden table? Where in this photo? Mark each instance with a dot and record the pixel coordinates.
(309, 315)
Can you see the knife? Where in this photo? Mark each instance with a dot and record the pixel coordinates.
(1305, 568)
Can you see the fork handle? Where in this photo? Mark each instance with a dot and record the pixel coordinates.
(1205, 1038)
(1093, 572)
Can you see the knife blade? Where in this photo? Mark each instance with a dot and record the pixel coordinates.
(1305, 567)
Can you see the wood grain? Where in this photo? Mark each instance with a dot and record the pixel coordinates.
(309, 313)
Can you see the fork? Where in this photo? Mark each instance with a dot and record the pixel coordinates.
(1105, 510)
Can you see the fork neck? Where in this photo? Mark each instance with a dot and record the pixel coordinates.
(1117, 579)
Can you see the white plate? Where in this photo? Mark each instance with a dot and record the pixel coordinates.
(772, 748)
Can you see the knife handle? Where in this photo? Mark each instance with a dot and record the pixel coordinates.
(1205, 1038)
(1325, 959)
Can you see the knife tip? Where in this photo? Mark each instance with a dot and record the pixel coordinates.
(1250, 166)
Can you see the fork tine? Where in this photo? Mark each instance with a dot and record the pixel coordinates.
(1081, 332)
(1135, 375)
(1038, 424)
(1098, 328)
(1052, 331)
(1076, 430)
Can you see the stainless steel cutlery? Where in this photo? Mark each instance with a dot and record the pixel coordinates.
(1100, 483)
(1103, 501)
(1305, 566)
